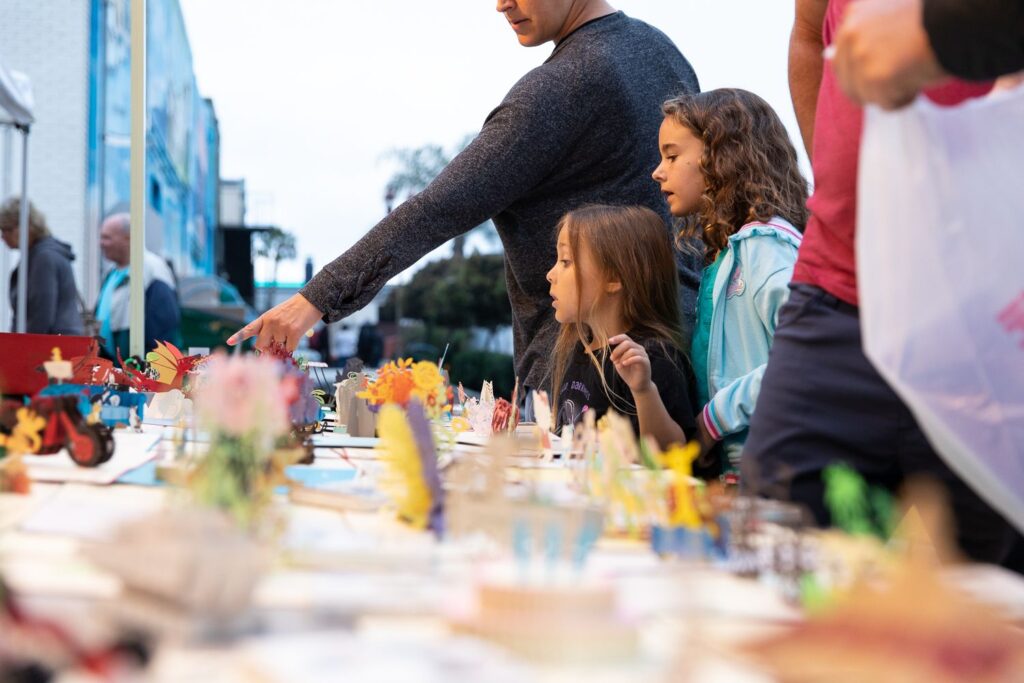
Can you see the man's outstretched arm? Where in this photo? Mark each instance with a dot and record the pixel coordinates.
(520, 143)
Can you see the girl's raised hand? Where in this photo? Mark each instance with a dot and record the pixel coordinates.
(632, 363)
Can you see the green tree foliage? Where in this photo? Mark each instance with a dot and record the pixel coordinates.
(458, 293)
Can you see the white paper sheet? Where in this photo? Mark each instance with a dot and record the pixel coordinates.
(131, 450)
(87, 512)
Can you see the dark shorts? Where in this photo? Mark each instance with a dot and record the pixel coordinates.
(822, 402)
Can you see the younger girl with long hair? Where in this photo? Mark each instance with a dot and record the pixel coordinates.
(729, 171)
(614, 290)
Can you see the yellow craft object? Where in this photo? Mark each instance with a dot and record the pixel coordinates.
(679, 459)
(403, 478)
(24, 438)
(164, 359)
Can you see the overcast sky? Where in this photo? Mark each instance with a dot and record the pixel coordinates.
(311, 94)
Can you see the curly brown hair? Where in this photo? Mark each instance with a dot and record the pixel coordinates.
(749, 166)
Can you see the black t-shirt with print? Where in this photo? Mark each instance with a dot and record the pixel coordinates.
(583, 391)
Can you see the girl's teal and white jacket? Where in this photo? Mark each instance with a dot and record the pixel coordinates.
(751, 286)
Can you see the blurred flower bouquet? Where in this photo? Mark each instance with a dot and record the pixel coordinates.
(400, 382)
(243, 404)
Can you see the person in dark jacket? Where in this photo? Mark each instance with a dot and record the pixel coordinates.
(887, 51)
(53, 303)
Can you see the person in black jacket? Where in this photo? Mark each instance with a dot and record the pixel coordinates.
(887, 51)
(53, 303)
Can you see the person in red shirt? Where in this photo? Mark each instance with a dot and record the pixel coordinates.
(821, 400)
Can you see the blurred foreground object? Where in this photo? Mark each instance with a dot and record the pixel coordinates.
(937, 187)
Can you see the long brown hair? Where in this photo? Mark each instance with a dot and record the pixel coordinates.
(630, 245)
(749, 166)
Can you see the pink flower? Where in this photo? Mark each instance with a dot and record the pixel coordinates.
(243, 396)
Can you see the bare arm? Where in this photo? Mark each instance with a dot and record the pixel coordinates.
(634, 366)
(805, 64)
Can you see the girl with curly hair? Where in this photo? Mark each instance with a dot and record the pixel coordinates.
(729, 173)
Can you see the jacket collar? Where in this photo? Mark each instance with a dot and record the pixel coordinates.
(777, 227)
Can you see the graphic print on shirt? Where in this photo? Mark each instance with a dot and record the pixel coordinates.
(574, 401)
(737, 285)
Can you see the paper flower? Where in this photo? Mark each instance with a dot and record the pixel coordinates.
(399, 382)
(244, 396)
(407, 478)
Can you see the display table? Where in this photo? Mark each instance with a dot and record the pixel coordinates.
(358, 596)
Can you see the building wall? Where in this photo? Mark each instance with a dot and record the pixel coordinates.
(182, 137)
(76, 53)
(49, 41)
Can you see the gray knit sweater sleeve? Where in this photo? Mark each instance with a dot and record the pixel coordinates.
(520, 143)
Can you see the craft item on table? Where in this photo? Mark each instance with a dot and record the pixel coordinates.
(542, 413)
(855, 507)
(354, 412)
(279, 351)
(243, 406)
(24, 438)
(767, 539)
(411, 478)
(66, 410)
(57, 368)
(566, 443)
(103, 404)
(168, 407)
(685, 533)
(459, 425)
(165, 368)
(187, 571)
(909, 627)
(530, 523)
(37, 649)
(304, 410)
(843, 560)
(505, 417)
(481, 413)
(399, 382)
(569, 623)
(610, 477)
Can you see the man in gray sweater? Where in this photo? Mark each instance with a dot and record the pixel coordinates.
(581, 128)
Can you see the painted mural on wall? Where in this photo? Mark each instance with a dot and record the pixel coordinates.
(182, 142)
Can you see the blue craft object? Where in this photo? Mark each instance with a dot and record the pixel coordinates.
(680, 541)
(115, 408)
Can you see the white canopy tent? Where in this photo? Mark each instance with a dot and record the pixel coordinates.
(16, 112)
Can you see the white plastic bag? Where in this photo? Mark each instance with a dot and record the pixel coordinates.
(940, 269)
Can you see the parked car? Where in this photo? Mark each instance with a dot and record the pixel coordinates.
(211, 311)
